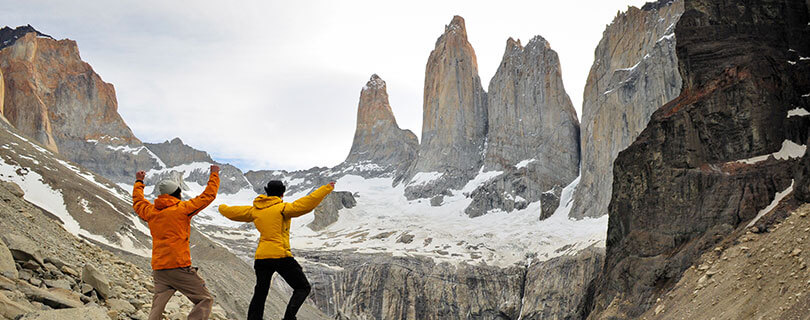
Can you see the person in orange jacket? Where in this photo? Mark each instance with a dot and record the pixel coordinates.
(169, 222)
(272, 218)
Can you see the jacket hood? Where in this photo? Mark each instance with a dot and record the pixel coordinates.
(164, 201)
(263, 201)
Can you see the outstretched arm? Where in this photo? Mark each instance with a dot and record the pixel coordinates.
(198, 203)
(306, 204)
(142, 207)
(237, 213)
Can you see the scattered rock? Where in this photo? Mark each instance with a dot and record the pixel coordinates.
(57, 283)
(120, 306)
(69, 271)
(11, 309)
(55, 299)
(30, 265)
(7, 266)
(82, 313)
(23, 249)
(405, 238)
(14, 188)
(97, 280)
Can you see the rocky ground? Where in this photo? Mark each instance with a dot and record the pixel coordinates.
(754, 276)
(47, 273)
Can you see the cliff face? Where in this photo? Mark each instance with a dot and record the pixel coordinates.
(529, 114)
(533, 135)
(711, 159)
(56, 98)
(378, 140)
(635, 71)
(454, 121)
(384, 287)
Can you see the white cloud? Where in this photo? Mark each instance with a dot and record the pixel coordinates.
(275, 84)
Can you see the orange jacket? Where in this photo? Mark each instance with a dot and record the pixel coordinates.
(272, 218)
(169, 222)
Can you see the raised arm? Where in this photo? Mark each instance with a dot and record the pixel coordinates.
(306, 204)
(198, 203)
(237, 213)
(142, 207)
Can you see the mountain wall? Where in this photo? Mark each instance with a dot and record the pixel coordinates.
(715, 157)
(375, 286)
(56, 98)
(533, 131)
(378, 140)
(635, 71)
(454, 119)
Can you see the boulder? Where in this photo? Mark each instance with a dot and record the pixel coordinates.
(84, 313)
(23, 249)
(97, 280)
(7, 266)
(120, 306)
(13, 188)
(53, 299)
(11, 309)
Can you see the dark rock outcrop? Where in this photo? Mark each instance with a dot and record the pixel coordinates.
(327, 212)
(693, 175)
(635, 72)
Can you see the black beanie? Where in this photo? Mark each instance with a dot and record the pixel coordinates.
(275, 188)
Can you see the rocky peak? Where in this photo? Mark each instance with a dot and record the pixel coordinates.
(8, 35)
(635, 71)
(175, 153)
(530, 116)
(454, 122)
(54, 97)
(378, 140)
(456, 27)
(533, 131)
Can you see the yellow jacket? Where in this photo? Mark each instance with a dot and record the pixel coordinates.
(272, 218)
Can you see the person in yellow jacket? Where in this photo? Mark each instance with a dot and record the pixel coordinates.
(272, 218)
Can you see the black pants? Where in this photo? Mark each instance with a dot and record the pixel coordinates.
(291, 271)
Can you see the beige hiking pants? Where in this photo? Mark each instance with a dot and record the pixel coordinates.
(189, 284)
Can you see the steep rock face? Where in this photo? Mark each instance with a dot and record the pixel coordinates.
(529, 114)
(385, 287)
(378, 140)
(555, 289)
(378, 286)
(533, 135)
(715, 156)
(56, 98)
(635, 71)
(454, 122)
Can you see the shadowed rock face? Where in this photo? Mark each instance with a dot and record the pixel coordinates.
(454, 121)
(680, 187)
(378, 140)
(635, 71)
(54, 97)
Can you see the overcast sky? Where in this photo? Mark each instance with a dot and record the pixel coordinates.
(275, 84)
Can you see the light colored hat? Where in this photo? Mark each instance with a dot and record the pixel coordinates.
(167, 186)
